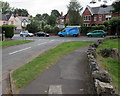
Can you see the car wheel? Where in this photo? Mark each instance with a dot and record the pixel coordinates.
(21, 35)
(89, 35)
(103, 35)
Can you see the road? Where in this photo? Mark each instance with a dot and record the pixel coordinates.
(15, 56)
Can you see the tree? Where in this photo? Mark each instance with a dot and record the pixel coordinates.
(74, 10)
(115, 24)
(47, 28)
(116, 6)
(32, 27)
(20, 12)
(55, 13)
(44, 16)
(5, 7)
(51, 20)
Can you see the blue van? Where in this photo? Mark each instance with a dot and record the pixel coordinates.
(69, 32)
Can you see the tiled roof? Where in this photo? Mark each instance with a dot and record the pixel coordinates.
(101, 10)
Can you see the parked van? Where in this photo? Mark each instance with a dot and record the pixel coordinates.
(69, 32)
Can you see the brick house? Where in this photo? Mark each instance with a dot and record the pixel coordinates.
(62, 20)
(97, 15)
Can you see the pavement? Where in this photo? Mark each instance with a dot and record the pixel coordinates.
(70, 75)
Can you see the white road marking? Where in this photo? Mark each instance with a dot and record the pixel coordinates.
(19, 50)
(42, 43)
(55, 89)
(28, 48)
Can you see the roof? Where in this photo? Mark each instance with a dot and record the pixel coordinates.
(23, 18)
(100, 10)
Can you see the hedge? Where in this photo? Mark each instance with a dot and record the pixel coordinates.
(9, 30)
(85, 29)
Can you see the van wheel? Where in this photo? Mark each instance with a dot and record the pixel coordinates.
(61, 36)
(74, 35)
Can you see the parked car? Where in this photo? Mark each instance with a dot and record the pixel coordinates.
(42, 34)
(26, 34)
(69, 32)
(97, 33)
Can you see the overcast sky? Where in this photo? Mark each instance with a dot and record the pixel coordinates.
(45, 6)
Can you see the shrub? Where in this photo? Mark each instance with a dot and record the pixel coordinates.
(9, 30)
(32, 27)
(106, 52)
(55, 30)
(47, 28)
(99, 27)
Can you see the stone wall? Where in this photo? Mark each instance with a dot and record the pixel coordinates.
(102, 79)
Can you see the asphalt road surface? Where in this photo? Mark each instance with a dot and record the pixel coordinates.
(15, 56)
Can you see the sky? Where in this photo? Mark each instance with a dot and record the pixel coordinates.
(46, 6)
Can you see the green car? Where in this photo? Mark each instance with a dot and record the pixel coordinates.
(97, 33)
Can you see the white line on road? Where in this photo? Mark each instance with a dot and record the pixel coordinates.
(42, 43)
(19, 50)
(28, 48)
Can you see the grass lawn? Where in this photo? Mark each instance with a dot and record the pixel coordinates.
(110, 64)
(31, 70)
(11, 43)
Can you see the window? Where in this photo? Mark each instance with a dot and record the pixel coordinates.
(4, 23)
(87, 24)
(100, 18)
(95, 18)
(87, 18)
(12, 22)
(108, 17)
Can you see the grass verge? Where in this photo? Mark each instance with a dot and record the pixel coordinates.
(110, 64)
(31, 70)
(11, 43)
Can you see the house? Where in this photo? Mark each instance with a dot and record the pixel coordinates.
(62, 20)
(21, 22)
(97, 15)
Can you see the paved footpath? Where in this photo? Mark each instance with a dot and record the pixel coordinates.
(71, 75)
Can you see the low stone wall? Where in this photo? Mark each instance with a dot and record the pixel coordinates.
(101, 77)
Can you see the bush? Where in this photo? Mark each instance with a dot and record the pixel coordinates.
(32, 27)
(84, 30)
(48, 28)
(9, 30)
(106, 52)
(55, 30)
(99, 27)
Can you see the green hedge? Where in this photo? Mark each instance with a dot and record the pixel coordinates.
(9, 30)
(85, 29)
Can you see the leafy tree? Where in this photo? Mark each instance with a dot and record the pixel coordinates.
(115, 24)
(5, 7)
(116, 6)
(51, 20)
(47, 28)
(20, 12)
(44, 16)
(55, 13)
(74, 10)
(32, 27)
